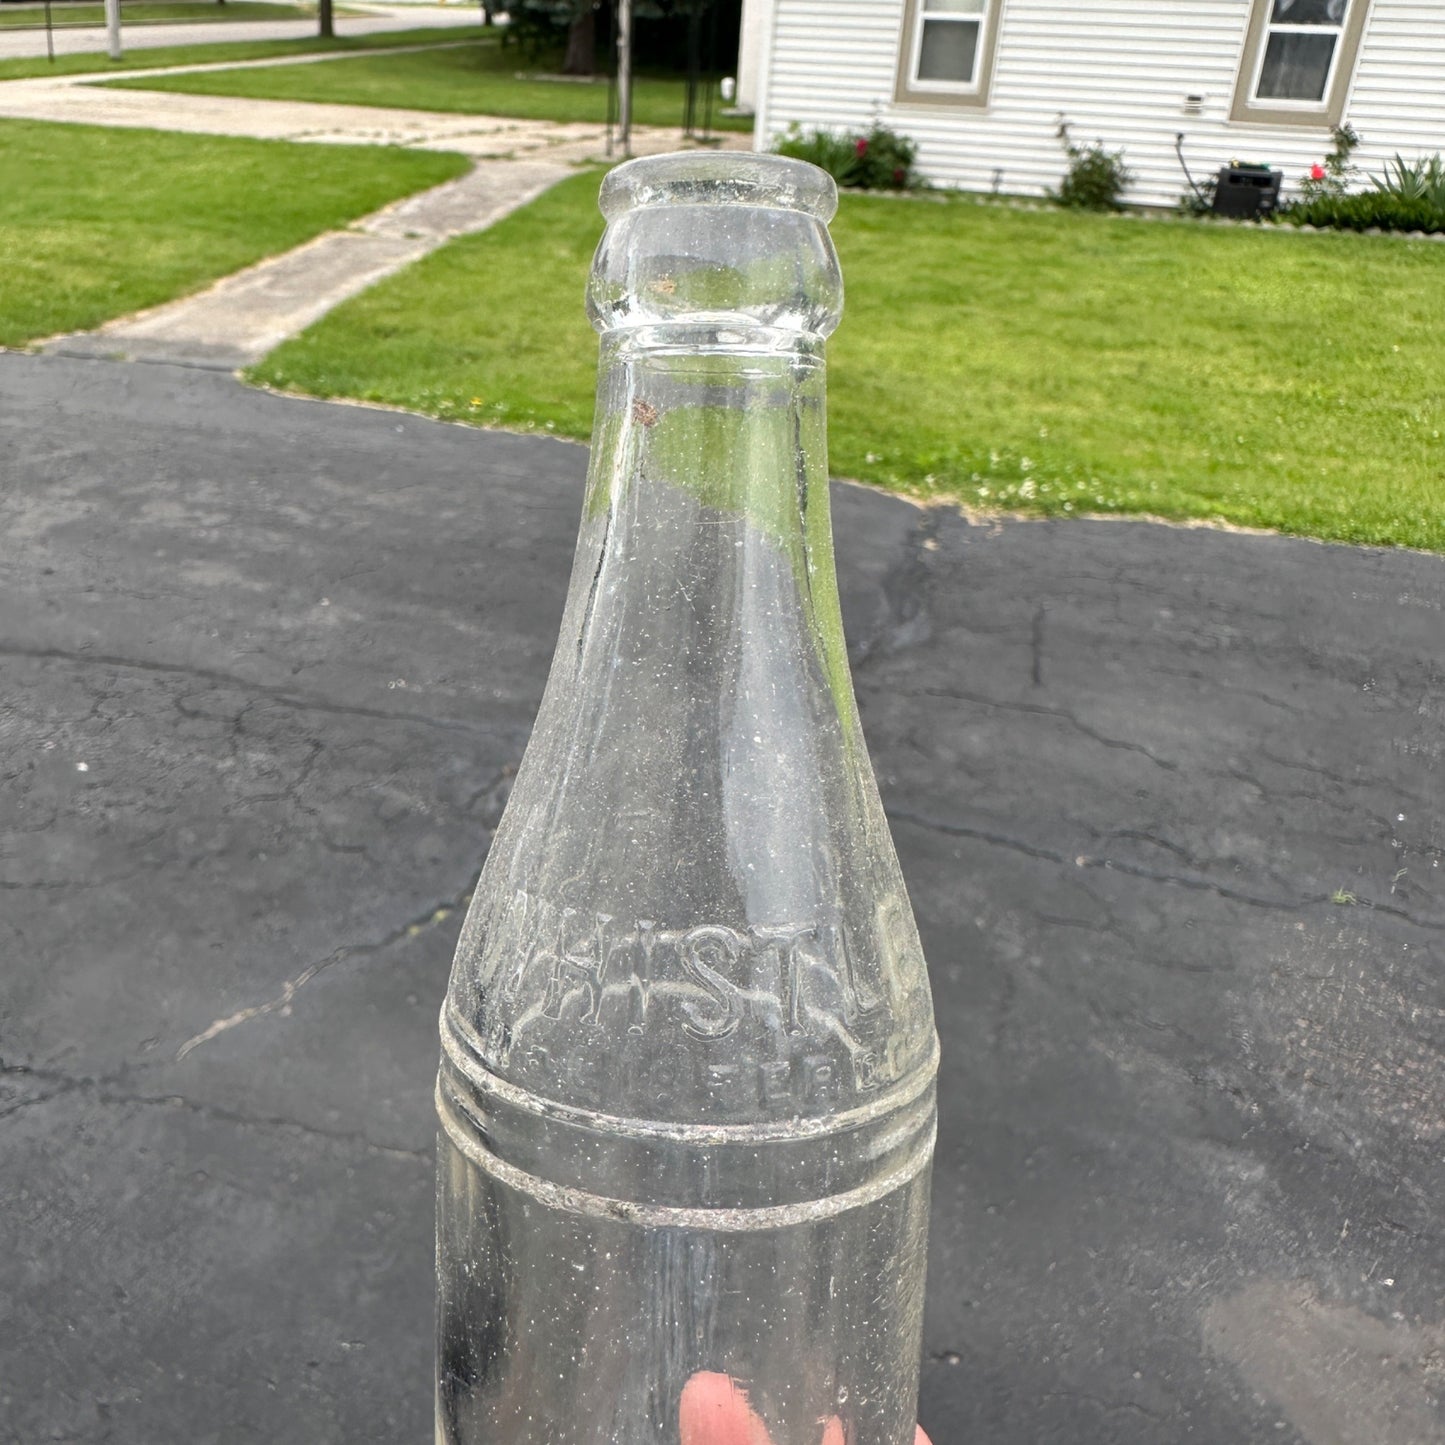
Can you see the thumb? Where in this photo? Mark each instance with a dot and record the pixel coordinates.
(833, 1435)
(715, 1411)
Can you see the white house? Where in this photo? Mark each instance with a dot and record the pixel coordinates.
(981, 85)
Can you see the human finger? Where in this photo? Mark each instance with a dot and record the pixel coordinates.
(833, 1434)
(715, 1411)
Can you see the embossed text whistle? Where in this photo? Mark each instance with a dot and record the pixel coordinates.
(687, 1081)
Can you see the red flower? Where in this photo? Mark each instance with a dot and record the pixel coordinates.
(861, 145)
(1317, 172)
(898, 175)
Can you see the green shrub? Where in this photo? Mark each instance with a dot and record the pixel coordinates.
(1333, 177)
(1198, 200)
(1366, 211)
(539, 27)
(829, 150)
(1096, 178)
(881, 160)
(1405, 198)
(1424, 181)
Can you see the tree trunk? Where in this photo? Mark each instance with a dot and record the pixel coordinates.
(323, 11)
(582, 44)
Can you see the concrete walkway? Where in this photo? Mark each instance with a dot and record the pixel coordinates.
(237, 321)
(241, 318)
(90, 39)
(78, 99)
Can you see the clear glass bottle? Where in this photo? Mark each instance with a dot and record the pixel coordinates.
(687, 1081)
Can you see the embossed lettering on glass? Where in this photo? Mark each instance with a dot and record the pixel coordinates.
(687, 1084)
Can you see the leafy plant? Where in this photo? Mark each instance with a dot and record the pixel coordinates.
(881, 160)
(1199, 200)
(538, 26)
(1366, 211)
(1423, 181)
(829, 150)
(1407, 197)
(1096, 177)
(1333, 176)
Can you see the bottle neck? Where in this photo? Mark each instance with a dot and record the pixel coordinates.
(694, 865)
(709, 473)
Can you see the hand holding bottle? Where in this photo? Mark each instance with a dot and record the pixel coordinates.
(715, 1411)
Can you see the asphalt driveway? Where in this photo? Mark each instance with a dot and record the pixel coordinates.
(1168, 802)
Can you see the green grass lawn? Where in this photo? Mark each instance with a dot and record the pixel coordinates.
(98, 222)
(163, 55)
(482, 79)
(33, 17)
(1037, 361)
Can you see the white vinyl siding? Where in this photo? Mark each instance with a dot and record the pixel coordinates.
(1121, 71)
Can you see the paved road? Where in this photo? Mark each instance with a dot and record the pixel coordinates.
(267, 666)
(88, 39)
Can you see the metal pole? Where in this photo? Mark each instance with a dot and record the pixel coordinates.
(112, 28)
(49, 33)
(711, 70)
(694, 64)
(612, 82)
(624, 75)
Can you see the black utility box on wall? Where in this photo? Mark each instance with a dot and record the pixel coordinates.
(1246, 191)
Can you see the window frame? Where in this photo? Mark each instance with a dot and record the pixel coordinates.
(1322, 114)
(909, 90)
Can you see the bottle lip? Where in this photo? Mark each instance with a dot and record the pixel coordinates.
(694, 178)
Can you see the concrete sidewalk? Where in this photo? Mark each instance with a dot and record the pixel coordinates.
(91, 39)
(244, 316)
(80, 100)
(1171, 808)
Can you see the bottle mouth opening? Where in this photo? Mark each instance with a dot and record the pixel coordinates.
(697, 178)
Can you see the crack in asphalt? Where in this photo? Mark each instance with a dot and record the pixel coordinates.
(432, 915)
(1036, 646)
(1134, 870)
(283, 696)
(978, 700)
(1108, 1406)
(103, 1091)
(1214, 685)
(273, 1122)
(904, 588)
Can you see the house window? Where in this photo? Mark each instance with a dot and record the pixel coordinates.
(945, 54)
(1297, 61)
(1300, 49)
